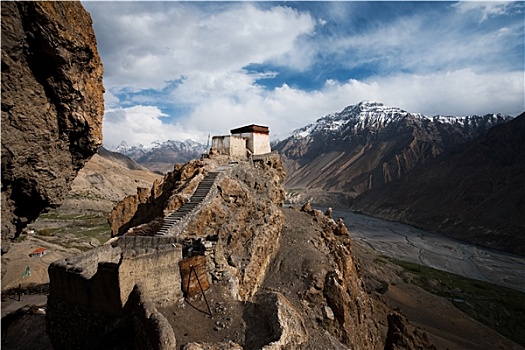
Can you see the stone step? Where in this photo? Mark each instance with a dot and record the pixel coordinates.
(172, 216)
(201, 192)
(172, 221)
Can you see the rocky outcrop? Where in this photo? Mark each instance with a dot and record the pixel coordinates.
(348, 310)
(52, 105)
(165, 195)
(285, 323)
(403, 336)
(242, 220)
(265, 284)
(246, 219)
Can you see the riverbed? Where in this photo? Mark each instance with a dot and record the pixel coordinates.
(405, 242)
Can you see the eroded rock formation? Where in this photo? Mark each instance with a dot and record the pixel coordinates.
(403, 336)
(272, 280)
(52, 105)
(166, 195)
(244, 217)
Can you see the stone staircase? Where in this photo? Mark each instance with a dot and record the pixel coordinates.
(178, 216)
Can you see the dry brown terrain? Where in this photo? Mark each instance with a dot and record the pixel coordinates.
(446, 326)
(78, 225)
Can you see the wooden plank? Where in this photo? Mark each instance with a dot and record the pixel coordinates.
(199, 268)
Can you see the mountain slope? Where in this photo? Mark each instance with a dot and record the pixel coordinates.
(120, 159)
(368, 144)
(107, 178)
(475, 194)
(161, 156)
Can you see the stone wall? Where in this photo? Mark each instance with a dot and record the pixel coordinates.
(221, 144)
(89, 292)
(237, 148)
(151, 330)
(231, 145)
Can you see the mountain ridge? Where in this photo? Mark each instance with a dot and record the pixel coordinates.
(161, 156)
(477, 192)
(368, 144)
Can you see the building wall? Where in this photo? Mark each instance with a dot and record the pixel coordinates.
(257, 143)
(237, 145)
(221, 144)
(155, 271)
(89, 292)
(237, 148)
(261, 143)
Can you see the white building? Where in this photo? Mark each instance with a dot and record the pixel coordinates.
(243, 142)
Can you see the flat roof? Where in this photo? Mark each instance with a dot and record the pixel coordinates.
(260, 129)
(39, 250)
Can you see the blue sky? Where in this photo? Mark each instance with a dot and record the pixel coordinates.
(179, 70)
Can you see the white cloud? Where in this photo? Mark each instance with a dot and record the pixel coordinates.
(157, 44)
(485, 9)
(140, 125)
(459, 92)
(419, 45)
(193, 55)
(284, 109)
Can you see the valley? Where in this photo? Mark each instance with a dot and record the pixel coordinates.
(462, 177)
(407, 243)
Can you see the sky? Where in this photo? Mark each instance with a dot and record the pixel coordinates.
(184, 70)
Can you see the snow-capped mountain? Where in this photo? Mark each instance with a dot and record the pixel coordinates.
(369, 144)
(376, 116)
(475, 193)
(161, 156)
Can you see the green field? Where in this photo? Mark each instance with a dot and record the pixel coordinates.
(500, 308)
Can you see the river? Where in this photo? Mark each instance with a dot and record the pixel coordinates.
(405, 242)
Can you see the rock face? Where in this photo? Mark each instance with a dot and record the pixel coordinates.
(244, 217)
(165, 195)
(403, 336)
(474, 194)
(367, 145)
(52, 105)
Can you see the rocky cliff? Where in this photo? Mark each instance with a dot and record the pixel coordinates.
(244, 216)
(52, 105)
